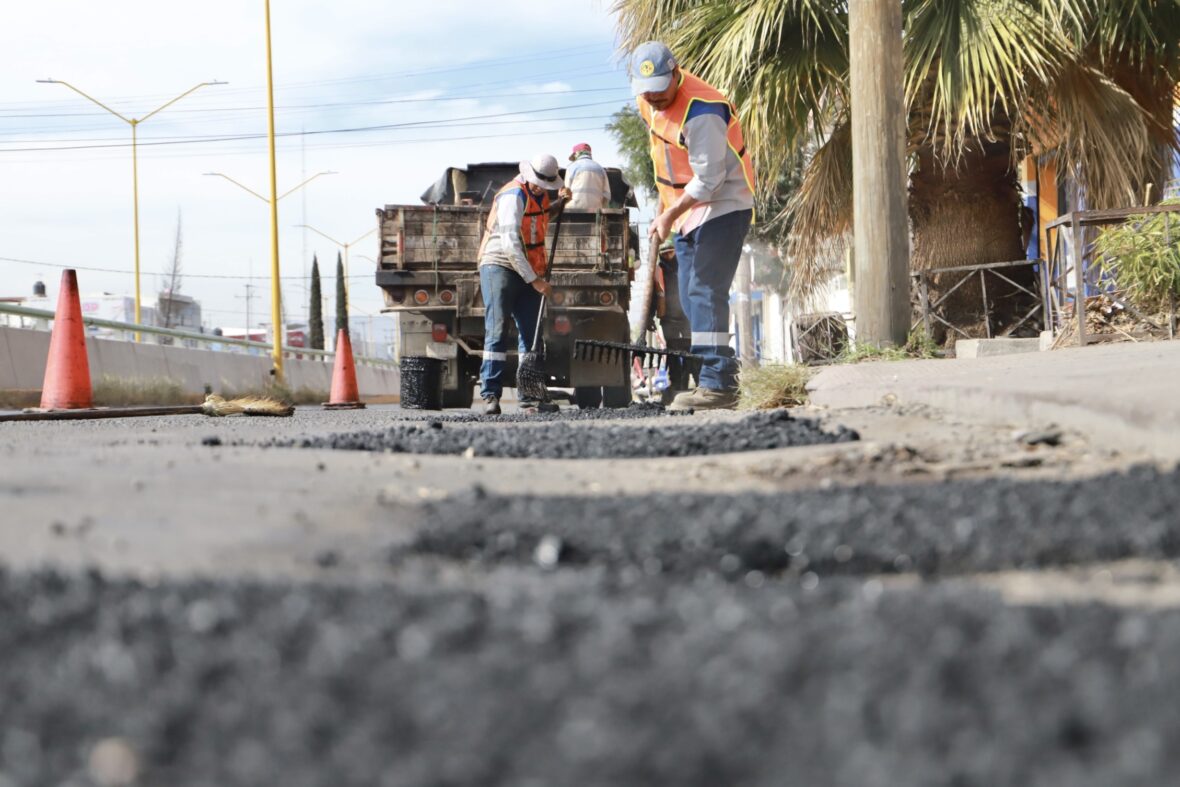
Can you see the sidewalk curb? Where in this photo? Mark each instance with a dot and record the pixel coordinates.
(1126, 427)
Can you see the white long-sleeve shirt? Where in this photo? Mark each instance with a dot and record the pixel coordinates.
(588, 182)
(718, 180)
(505, 247)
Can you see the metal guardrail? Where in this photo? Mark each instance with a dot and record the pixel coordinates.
(42, 314)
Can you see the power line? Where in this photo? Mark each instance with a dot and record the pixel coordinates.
(338, 145)
(198, 138)
(472, 66)
(337, 104)
(318, 132)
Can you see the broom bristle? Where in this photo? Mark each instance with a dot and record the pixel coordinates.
(531, 381)
(219, 406)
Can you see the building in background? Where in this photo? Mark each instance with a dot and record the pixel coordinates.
(37, 299)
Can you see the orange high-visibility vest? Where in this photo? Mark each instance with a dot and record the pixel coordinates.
(533, 224)
(669, 156)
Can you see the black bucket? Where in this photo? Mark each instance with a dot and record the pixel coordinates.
(421, 382)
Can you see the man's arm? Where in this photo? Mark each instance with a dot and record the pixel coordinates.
(509, 214)
(556, 205)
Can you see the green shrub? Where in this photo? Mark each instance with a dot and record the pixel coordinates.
(1142, 256)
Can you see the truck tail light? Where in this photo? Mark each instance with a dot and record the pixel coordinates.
(446, 297)
(562, 326)
(606, 297)
(421, 297)
(438, 332)
(558, 298)
(397, 296)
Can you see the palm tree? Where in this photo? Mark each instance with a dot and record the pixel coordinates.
(988, 82)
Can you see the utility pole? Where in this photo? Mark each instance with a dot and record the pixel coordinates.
(249, 296)
(745, 320)
(881, 298)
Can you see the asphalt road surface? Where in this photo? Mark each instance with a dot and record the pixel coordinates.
(869, 597)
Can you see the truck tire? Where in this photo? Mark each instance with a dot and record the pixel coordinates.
(460, 398)
(616, 396)
(587, 398)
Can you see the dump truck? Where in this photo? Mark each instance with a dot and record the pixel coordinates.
(428, 273)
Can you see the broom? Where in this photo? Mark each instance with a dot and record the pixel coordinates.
(531, 379)
(213, 405)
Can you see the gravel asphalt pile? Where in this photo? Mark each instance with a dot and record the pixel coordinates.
(557, 438)
(581, 679)
(947, 528)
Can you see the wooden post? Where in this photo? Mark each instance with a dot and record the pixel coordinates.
(745, 319)
(881, 236)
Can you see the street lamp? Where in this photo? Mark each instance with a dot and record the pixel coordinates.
(276, 307)
(344, 246)
(134, 123)
(286, 193)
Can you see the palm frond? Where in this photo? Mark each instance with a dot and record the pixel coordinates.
(1097, 130)
(821, 216)
(783, 64)
(969, 60)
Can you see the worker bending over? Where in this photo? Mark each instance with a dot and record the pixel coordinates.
(705, 181)
(512, 261)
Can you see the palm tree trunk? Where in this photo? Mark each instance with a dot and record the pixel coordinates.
(968, 214)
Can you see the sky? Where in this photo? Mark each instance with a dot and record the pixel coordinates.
(385, 94)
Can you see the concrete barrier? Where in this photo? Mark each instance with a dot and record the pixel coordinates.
(23, 353)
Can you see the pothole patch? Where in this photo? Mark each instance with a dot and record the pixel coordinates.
(946, 528)
(560, 439)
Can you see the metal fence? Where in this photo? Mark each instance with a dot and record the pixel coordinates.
(1074, 274)
(126, 330)
(953, 278)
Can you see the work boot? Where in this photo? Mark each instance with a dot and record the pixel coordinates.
(705, 399)
(493, 405)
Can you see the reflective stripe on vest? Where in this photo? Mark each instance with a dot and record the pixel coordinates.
(669, 155)
(533, 224)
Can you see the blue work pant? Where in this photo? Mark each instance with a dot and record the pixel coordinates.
(505, 295)
(708, 259)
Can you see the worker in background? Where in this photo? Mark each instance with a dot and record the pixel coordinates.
(512, 260)
(705, 180)
(587, 185)
(671, 314)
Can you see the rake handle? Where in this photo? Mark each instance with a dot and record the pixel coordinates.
(545, 275)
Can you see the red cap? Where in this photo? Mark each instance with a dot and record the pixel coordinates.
(578, 148)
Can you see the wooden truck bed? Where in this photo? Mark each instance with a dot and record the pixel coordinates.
(447, 238)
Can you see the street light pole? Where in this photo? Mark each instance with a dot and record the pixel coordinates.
(134, 123)
(286, 193)
(276, 314)
(344, 246)
(254, 193)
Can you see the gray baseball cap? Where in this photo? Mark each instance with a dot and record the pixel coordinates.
(652, 64)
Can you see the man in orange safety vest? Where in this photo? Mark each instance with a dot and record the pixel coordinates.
(705, 180)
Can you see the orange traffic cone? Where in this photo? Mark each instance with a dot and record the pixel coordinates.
(67, 371)
(344, 395)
